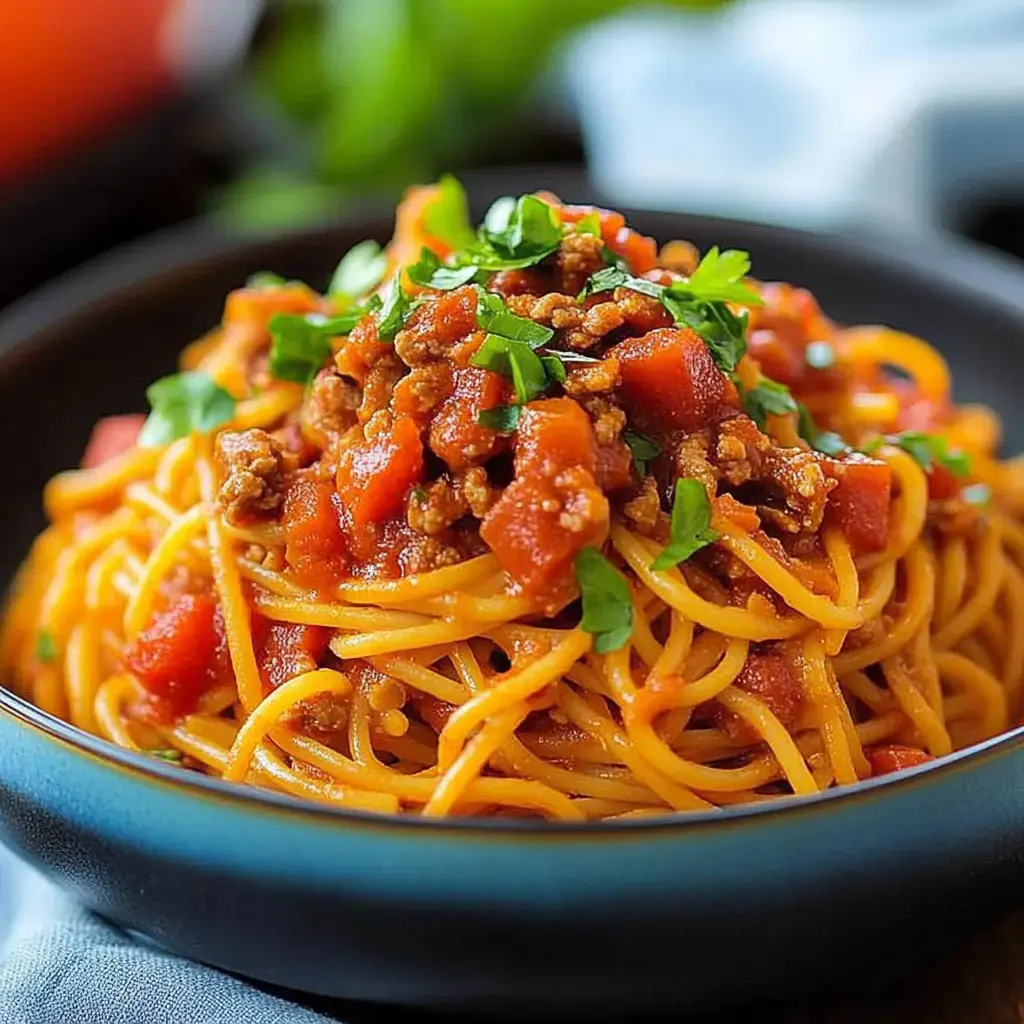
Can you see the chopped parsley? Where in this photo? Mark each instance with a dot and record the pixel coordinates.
(446, 218)
(719, 278)
(265, 279)
(643, 449)
(170, 755)
(824, 441)
(926, 450)
(430, 272)
(396, 307)
(554, 367)
(589, 224)
(691, 524)
(769, 398)
(361, 269)
(495, 318)
(301, 344)
(503, 418)
(183, 403)
(608, 278)
(516, 233)
(607, 603)
(46, 647)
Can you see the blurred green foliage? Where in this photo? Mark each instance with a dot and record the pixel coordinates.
(387, 92)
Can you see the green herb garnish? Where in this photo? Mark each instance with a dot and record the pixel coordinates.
(691, 524)
(768, 398)
(430, 272)
(265, 279)
(928, 450)
(446, 218)
(589, 224)
(361, 269)
(46, 647)
(824, 441)
(494, 317)
(607, 604)
(608, 278)
(503, 418)
(170, 755)
(719, 278)
(301, 344)
(183, 403)
(516, 233)
(396, 307)
(643, 449)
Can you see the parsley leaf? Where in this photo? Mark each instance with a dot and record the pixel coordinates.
(555, 368)
(393, 312)
(182, 403)
(608, 278)
(824, 441)
(265, 279)
(643, 449)
(516, 233)
(46, 647)
(446, 218)
(503, 418)
(719, 278)
(768, 398)
(529, 375)
(607, 603)
(361, 269)
(589, 224)
(301, 344)
(819, 355)
(724, 332)
(430, 272)
(926, 449)
(170, 755)
(691, 524)
(494, 317)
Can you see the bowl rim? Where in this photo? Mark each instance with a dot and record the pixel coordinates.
(972, 271)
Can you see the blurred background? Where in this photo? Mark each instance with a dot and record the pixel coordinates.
(121, 117)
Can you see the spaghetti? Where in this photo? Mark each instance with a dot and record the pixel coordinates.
(533, 520)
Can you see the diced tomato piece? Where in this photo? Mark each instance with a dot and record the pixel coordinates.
(374, 476)
(539, 524)
(669, 381)
(614, 466)
(176, 657)
(639, 251)
(314, 543)
(255, 306)
(894, 757)
(455, 435)
(287, 649)
(942, 485)
(553, 507)
(768, 674)
(859, 504)
(553, 435)
(111, 436)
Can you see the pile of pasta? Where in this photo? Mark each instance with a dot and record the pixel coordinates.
(759, 665)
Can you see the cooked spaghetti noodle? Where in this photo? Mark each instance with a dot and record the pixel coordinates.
(547, 523)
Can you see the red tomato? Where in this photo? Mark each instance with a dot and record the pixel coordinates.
(375, 476)
(314, 545)
(859, 504)
(111, 436)
(177, 658)
(669, 381)
(286, 649)
(455, 435)
(894, 757)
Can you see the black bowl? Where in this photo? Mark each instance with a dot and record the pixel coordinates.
(690, 912)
